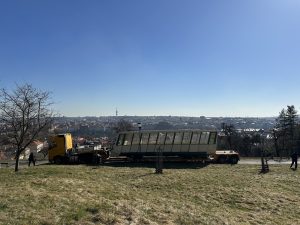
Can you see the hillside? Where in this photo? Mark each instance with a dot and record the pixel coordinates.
(131, 194)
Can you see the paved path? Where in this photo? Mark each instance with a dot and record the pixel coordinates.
(257, 161)
(22, 163)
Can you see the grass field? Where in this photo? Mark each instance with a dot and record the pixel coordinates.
(213, 194)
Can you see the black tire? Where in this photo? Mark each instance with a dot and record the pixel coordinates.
(222, 160)
(234, 160)
(58, 160)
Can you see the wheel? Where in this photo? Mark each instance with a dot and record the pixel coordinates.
(222, 159)
(234, 160)
(57, 160)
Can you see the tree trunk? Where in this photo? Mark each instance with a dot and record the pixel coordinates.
(283, 145)
(276, 147)
(17, 161)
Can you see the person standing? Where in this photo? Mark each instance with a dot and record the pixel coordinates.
(294, 159)
(31, 159)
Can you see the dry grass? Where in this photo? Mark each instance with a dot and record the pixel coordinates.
(216, 194)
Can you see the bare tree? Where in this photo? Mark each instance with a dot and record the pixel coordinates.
(229, 131)
(122, 125)
(24, 113)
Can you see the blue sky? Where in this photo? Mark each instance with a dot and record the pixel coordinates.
(158, 57)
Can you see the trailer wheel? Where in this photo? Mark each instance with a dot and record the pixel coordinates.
(234, 160)
(58, 160)
(222, 160)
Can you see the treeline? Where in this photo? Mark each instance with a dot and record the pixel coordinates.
(281, 141)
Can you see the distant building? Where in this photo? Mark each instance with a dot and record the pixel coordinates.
(35, 147)
(2, 155)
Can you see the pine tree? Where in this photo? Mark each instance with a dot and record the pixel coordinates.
(279, 133)
(284, 131)
(290, 126)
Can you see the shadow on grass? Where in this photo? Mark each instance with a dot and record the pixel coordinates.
(166, 165)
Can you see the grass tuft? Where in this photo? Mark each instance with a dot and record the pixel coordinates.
(3, 206)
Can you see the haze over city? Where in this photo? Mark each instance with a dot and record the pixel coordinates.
(186, 58)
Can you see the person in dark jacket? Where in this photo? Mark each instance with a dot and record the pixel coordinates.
(31, 159)
(294, 159)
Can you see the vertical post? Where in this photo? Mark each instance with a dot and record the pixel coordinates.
(159, 161)
(140, 136)
(159, 158)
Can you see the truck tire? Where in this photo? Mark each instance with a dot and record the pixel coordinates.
(222, 160)
(234, 160)
(58, 160)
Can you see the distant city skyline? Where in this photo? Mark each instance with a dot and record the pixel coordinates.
(173, 57)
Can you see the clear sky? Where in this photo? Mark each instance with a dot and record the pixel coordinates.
(155, 57)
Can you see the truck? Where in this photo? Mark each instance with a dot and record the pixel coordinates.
(61, 150)
(188, 144)
(194, 145)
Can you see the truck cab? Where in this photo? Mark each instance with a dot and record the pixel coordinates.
(60, 146)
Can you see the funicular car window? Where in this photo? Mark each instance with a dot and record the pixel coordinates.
(186, 138)
(127, 139)
(145, 137)
(212, 138)
(195, 139)
(204, 138)
(178, 138)
(161, 138)
(121, 139)
(153, 138)
(136, 139)
(169, 138)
